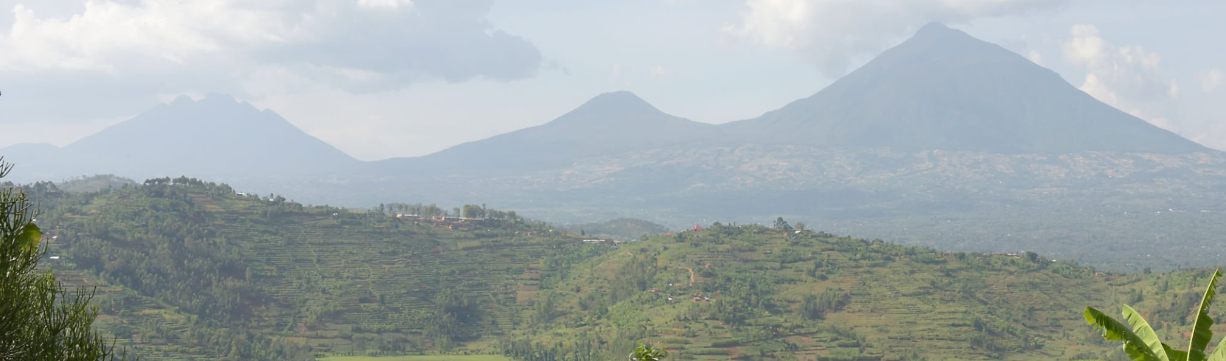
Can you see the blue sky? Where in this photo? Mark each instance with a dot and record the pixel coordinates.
(387, 78)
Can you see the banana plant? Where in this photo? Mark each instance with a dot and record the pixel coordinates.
(1142, 344)
(647, 353)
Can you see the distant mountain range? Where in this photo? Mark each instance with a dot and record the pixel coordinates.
(940, 90)
(943, 140)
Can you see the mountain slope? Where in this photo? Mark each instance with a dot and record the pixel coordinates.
(945, 90)
(216, 136)
(608, 124)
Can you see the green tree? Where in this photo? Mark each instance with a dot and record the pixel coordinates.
(1142, 344)
(647, 353)
(39, 319)
(781, 224)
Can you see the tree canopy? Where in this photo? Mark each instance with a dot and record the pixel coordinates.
(39, 319)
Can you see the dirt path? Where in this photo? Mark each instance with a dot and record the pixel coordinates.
(691, 274)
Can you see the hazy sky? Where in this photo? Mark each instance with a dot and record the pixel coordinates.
(387, 78)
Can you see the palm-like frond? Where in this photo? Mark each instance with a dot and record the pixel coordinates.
(1202, 333)
(1113, 330)
(1173, 354)
(1141, 328)
(1219, 352)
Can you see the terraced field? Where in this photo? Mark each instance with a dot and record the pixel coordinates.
(898, 303)
(336, 281)
(195, 271)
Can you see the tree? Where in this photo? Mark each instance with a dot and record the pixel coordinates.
(782, 225)
(39, 319)
(474, 211)
(647, 353)
(1142, 344)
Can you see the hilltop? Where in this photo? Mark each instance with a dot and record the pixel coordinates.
(183, 264)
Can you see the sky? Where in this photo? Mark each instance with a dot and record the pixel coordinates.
(394, 78)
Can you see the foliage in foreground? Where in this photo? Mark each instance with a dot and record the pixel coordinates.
(647, 353)
(39, 319)
(1142, 344)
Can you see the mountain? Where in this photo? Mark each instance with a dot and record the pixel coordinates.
(610, 123)
(215, 136)
(945, 90)
(29, 160)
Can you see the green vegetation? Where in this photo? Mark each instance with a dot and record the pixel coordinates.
(1141, 343)
(419, 358)
(647, 353)
(39, 319)
(188, 269)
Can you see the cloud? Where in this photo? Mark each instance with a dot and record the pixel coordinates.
(1211, 80)
(617, 75)
(1127, 77)
(660, 71)
(831, 34)
(1035, 57)
(362, 44)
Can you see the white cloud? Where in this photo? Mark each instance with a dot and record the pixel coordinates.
(660, 71)
(1127, 77)
(617, 75)
(363, 43)
(1211, 80)
(1035, 57)
(385, 4)
(831, 33)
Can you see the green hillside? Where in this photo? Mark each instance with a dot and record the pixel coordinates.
(193, 270)
(748, 292)
(185, 265)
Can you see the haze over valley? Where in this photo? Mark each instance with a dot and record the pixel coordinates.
(943, 141)
(865, 182)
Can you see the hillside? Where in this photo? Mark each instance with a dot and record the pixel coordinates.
(945, 90)
(215, 136)
(183, 265)
(741, 292)
(183, 262)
